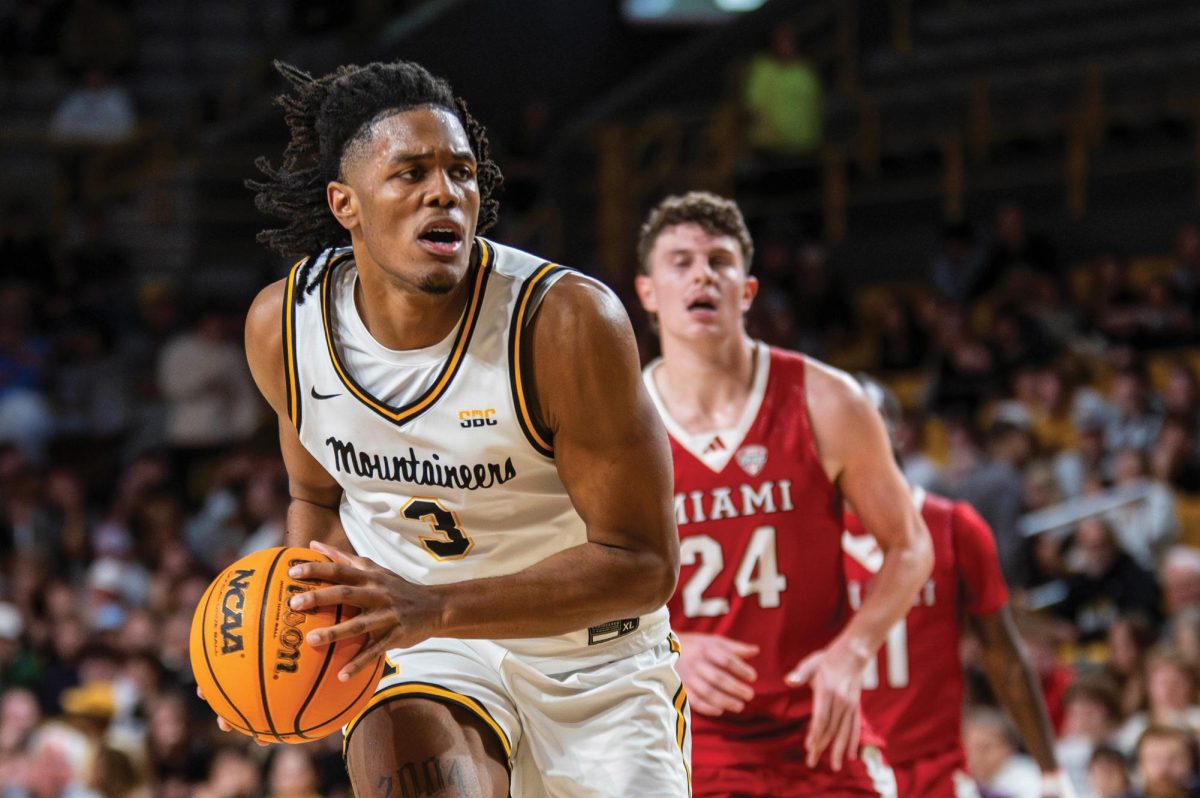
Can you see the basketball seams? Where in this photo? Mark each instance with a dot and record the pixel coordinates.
(262, 623)
(271, 693)
(208, 659)
(312, 692)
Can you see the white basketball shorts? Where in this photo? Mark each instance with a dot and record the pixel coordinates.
(615, 730)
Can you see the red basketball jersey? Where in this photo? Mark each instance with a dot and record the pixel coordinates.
(760, 529)
(912, 692)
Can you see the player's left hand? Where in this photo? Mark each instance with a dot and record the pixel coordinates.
(394, 613)
(835, 675)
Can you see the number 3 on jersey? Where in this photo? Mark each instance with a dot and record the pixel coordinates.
(453, 543)
(757, 573)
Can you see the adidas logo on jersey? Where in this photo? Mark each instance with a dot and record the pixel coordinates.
(469, 419)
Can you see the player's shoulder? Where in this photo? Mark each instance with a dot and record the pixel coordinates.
(264, 319)
(832, 394)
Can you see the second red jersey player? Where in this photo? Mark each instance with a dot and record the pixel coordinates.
(913, 691)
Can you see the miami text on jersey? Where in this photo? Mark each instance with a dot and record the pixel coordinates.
(712, 505)
(348, 459)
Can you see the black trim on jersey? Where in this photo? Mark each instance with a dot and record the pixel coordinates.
(414, 409)
(538, 438)
(291, 360)
(481, 711)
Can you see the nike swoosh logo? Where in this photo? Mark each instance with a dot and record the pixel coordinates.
(316, 395)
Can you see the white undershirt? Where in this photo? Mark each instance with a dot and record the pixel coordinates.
(393, 376)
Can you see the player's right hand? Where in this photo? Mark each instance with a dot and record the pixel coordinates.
(715, 672)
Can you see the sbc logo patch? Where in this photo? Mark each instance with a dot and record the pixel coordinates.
(470, 419)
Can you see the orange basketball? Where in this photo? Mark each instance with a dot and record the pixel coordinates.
(251, 659)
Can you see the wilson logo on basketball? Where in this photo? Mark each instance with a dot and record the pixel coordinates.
(287, 656)
(231, 611)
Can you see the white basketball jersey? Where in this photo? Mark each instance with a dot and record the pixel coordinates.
(457, 482)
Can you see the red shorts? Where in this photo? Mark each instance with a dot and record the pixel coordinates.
(767, 769)
(940, 775)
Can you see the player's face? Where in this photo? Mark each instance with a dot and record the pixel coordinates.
(409, 194)
(697, 283)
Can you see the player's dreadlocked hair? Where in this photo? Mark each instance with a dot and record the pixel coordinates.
(328, 115)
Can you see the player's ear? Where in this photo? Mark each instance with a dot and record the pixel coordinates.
(749, 291)
(644, 287)
(343, 203)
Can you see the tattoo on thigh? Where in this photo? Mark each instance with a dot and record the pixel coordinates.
(432, 777)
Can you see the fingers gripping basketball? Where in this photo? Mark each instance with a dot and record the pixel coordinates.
(251, 659)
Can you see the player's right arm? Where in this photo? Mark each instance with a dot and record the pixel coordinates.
(315, 495)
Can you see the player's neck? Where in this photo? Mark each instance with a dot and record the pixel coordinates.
(401, 316)
(706, 385)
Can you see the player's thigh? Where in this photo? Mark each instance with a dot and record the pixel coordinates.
(415, 746)
(613, 731)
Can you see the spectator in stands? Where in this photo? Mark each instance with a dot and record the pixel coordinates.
(1017, 340)
(1167, 763)
(25, 415)
(1014, 250)
(1186, 276)
(1106, 583)
(233, 774)
(902, 343)
(962, 369)
(1113, 301)
(96, 112)
(1107, 774)
(1130, 640)
(291, 773)
(211, 401)
(1161, 317)
(19, 716)
(920, 470)
(1171, 694)
(783, 99)
(1092, 715)
(1074, 467)
(990, 481)
(1147, 527)
(1135, 419)
(29, 37)
(959, 265)
(1179, 576)
(994, 758)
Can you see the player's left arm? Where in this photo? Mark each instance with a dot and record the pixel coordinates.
(613, 458)
(985, 596)
(857, 456)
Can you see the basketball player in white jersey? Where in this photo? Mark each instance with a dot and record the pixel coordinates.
(470, 422)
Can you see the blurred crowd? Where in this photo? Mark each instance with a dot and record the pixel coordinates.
(1061, 399)
(1063, 402)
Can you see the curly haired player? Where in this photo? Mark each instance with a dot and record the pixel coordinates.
(468, 419)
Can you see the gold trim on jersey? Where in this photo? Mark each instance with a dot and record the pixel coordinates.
(401, 415)
(290, 365)
(681, 727)
(437, 693)
(525, 419)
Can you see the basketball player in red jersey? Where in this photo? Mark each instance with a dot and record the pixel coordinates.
(766, 443)
(913, 690)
